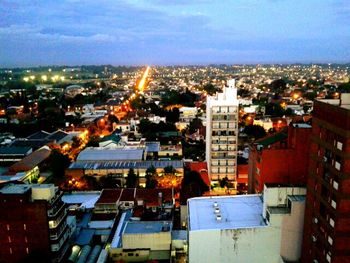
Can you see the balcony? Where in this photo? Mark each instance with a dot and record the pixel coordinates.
(54, 223)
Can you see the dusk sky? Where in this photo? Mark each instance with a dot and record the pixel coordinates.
(168, 32)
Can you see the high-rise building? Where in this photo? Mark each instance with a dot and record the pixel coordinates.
(33, 223)
(327, 215)
(222, 134)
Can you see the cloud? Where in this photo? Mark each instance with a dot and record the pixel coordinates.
(29, 33)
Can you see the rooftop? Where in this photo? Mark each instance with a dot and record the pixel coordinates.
(13, 150)
(90, 165)
(31, 160)
(15, 189)
(112, 154)
(269, 140)
(147, 227)
(243, 211)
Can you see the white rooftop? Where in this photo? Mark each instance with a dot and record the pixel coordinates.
(242, 211)
(85, 199)
(109, 154)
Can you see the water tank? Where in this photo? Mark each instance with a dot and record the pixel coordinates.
(94, 254)
(84, 254)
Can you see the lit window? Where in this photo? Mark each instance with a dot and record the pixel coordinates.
(10, 250)
(330, 240)
(331, 222)
(9, 239)
(339, 146)
(8, 227)
(27, 250)
(334, 204)
(24, 226)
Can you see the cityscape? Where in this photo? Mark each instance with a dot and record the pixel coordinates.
(169, 131)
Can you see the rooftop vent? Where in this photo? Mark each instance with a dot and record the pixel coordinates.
(217, 210)
(218, 217)
(215, 204)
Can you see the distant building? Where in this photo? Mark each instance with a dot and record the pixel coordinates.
(327, 228)
(247, 228)
(33, 223)
(140, 241)
(280, 158)
(28, 168)
(222, 134)
(13, 154)
(119, 169)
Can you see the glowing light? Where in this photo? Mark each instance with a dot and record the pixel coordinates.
(44, 77)
(142, 82)
(26, 79)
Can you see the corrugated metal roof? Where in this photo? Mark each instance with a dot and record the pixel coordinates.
(105, 154)
(88, 165)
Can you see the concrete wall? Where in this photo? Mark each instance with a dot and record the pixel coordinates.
(292, 232)
(153, 241)
(235, 246)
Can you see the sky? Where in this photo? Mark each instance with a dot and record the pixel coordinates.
(173, 32)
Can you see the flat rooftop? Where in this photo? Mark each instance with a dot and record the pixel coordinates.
(109, 154)
(147, 227)
(241, 211)
(15, 189)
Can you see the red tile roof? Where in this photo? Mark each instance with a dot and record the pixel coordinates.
(149, 196)
(109, 196)
(31, 160)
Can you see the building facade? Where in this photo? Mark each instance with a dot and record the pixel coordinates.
(280, 158)
(247, 228)
(222, 134)
(33, 223)
(327, 216)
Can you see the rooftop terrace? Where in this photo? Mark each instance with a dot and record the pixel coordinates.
(243, 211)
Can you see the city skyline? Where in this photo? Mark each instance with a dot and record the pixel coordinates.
(157, 32)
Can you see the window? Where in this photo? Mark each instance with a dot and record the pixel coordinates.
(335, 185)
(331, 222)
(334, 204)
(10, 250)
(330, 240)
(27, 250)
(24, 227)
(339, 146)
(8, 227)
(9, 239)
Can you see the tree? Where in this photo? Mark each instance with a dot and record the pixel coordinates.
(112, 118)
(169, 169)
(76, 142)
(210, 89)
(274, 109)
(224, 182)
(59, 162)
(131, 180)
(255, 131)
(151, 175)
(93, 141)
(195, 125)
(278, 85)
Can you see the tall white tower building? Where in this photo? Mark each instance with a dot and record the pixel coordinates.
(222, 134)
